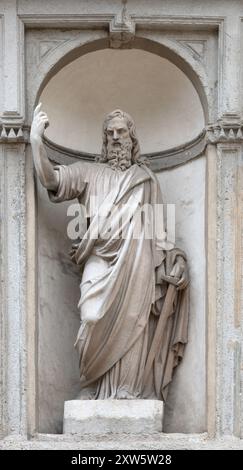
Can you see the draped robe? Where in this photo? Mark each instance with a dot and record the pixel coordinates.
(120, 304)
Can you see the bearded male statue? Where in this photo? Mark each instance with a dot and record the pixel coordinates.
(125, 279)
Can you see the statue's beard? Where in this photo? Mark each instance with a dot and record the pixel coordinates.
(120, 155)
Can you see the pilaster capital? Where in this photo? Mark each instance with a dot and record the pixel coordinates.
(12, 128)
(229, 128)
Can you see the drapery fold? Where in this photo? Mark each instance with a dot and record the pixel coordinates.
(113, 348)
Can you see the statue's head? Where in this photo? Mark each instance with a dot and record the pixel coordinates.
(120, 143)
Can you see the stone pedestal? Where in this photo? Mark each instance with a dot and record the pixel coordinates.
(112, 416)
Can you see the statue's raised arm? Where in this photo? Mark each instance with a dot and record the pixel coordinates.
(45, 171)
(134, 296)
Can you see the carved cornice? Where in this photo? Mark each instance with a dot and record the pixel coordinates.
(148, 21)
(227, 129)
(177, 156)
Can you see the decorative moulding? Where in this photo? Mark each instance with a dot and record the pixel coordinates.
(197, 47)
(11, 127)
(229, 128)
(164, 159)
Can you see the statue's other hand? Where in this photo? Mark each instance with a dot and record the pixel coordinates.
(39, 123)
(180, 272)
(73, 251)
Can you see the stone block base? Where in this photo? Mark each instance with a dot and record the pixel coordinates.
(112, 416)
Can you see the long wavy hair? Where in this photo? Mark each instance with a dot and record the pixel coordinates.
(135, 155)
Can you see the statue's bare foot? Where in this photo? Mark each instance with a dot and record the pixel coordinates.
(125, 395)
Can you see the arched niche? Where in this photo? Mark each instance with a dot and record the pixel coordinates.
(158, 95)
(63, 51)
(58, 279)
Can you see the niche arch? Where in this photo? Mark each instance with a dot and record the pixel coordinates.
(57, 275)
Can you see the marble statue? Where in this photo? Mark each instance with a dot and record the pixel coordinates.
(134, 292)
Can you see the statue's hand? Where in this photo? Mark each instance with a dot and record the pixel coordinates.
(40, 122)
(73, 251)
(180, 272)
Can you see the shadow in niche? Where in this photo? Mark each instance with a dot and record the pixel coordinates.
(58, 322)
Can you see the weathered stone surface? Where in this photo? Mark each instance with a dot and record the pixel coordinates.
(112, 416)
(184, 186)
(177, 33)
(58, 375)
(153, 441)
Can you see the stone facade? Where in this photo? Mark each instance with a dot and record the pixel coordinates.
(205, 42)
